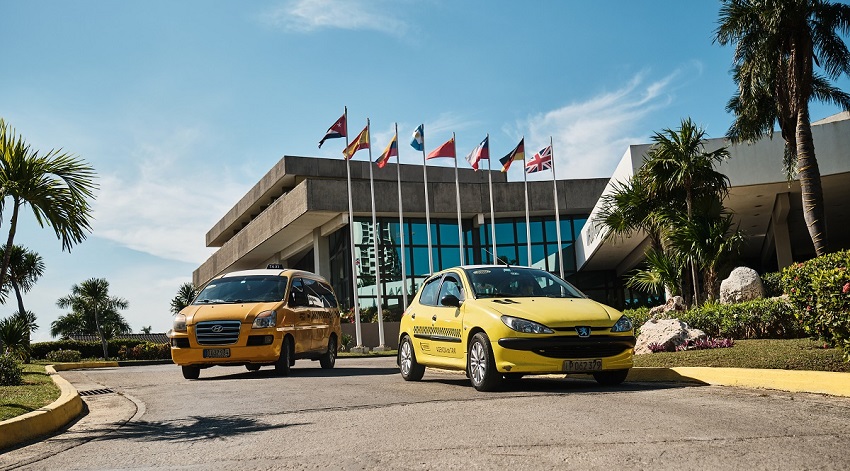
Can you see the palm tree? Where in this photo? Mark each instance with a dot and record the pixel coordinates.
(25, 268)
(631, 207)
(93, 310)
(679, 168)
(185, 295)
(777, 45)
(56, 186)
(13, 337)
(663, 270)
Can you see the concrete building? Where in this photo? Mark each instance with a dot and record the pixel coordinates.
(297, 215)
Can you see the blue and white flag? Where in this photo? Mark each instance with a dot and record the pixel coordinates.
(418, 141)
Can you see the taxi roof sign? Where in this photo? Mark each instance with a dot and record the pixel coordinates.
(275, 266)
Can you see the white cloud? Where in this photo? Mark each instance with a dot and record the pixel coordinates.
(163, 206)
(590, 137)
(311, 15)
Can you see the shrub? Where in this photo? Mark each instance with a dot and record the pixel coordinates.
(820, 291)
(705, 344)
(772, 283)
(64, 356)
(639, 316)
(11, 371)
(87, 349)
(146, 351)
(757, 319)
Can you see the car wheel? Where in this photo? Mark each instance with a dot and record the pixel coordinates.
(328, 358)
(191, 372)
(252, 367)
(481, 366)
(410, 369)
(284, 363)
(610, 378)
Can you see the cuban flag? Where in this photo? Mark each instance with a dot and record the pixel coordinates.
(540, 162)
(418, 141)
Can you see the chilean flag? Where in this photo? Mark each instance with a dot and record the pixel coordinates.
(481, 152)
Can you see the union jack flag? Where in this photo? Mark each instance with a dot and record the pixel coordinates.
(540, 162)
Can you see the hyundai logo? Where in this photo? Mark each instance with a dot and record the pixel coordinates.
(583, 331)
(218, 328)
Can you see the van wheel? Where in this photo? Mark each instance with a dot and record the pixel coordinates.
(252, 367)
(411, 370)
(191, 372)
(328, 358)
(284, 363)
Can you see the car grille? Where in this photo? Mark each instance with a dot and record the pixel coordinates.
(572, 347)
(217, 332)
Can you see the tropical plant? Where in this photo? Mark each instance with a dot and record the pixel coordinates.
(147, 329)
(25, 268)
(778, 43)
(13, 336)
(663, 270)
(678, 167)
(56, 186)
(93, 311)
(185, 295)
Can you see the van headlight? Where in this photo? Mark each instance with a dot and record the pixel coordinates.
(179, 323)
(525, 326)
(265, 320)
(624, 324)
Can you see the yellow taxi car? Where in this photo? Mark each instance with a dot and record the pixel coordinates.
(499, 322)
(257, 318)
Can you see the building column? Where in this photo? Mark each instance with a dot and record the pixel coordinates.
(321, 254)
(781, 237)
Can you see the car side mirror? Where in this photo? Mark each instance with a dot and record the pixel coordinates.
(450, 300)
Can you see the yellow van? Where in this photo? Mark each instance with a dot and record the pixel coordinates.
(256, 318)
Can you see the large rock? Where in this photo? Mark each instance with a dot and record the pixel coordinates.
(674, 304)
(669, 333)
(743, 284)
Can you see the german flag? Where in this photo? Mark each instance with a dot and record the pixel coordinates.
(517, 154)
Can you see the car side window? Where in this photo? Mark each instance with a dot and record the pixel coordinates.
(451, 285)
(430, 291)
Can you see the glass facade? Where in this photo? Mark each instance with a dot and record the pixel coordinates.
(511, 247)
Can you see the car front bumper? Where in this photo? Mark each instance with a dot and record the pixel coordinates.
(551, 354)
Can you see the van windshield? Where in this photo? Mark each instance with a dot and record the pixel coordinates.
(243, 289)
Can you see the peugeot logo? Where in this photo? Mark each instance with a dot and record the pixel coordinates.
(218, 328)
(583, 331)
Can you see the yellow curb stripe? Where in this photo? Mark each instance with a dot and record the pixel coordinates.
(45, 420)
(819, 382)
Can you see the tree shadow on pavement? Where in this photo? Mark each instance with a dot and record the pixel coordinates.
(188, 430)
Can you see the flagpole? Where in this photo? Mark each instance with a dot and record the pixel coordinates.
(401, 223)
(427, 211)
(357, 331)
(375, 235)
(492, 212)
(457, 194)
(557, 212)
(527, 220)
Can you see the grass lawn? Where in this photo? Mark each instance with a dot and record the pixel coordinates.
(37, 391)
(797, 354)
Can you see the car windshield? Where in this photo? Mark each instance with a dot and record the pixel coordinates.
(243, 289)
(517, 282)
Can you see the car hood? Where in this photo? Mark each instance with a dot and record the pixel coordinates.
(555, 312)
(243, 312)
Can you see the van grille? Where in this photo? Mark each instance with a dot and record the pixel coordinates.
(217, 332)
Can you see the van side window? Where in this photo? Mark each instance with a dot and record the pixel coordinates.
(297, 293)
(430, 291)
(327, 294)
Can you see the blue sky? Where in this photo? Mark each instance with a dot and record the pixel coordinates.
(182, 106)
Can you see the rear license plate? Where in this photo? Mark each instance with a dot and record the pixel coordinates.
(580, 366)
(216, 353)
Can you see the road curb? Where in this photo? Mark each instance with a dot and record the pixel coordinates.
(818, 382)
(45, 420)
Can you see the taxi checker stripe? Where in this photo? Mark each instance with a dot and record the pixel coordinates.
(437, 333)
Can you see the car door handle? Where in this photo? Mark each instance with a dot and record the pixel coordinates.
(434, 318)
(413, 315)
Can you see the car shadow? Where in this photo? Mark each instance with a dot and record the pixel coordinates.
(336, 372)
(550, 384)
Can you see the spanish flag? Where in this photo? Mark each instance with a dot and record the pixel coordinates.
(390, 151)
(517, 154)
(362, 142)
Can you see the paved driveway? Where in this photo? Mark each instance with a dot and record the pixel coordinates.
(362, 415)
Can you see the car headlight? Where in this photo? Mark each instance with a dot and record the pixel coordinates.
(624, 324)
(264, 320)
(179, 323)
(525, 326)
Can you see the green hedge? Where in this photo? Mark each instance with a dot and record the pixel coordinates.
(820, 291)
(759, 319)
(93, 349)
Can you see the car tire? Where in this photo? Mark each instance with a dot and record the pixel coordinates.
(411, 370)
(284, 363)
(610, 378)
(481, 365)
(252, 367)
(191, 372)
(328, 359)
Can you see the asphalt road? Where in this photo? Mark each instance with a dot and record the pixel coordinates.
(362, 415)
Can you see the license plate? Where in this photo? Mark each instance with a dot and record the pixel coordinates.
(216, 353)
(580, 366)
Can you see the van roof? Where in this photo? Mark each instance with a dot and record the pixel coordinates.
(272, 272)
